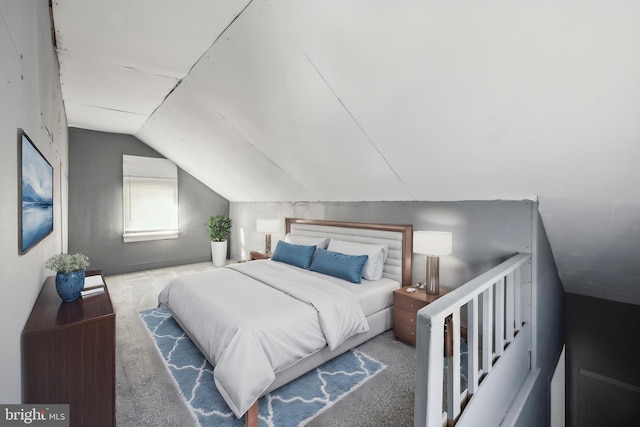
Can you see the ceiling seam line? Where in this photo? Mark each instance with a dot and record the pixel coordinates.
(344, 105)
(106, 108)
(358, 124)
(65, 51)
(218, 38)
(253, 146)
(196, 63)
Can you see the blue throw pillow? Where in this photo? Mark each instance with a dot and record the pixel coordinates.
(347, 267)
(298, 255)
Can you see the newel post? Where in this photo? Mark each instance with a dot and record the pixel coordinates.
(429, 371)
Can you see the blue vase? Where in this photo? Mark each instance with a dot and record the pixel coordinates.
(69, 285)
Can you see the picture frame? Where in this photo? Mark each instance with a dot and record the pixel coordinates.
(35, 194)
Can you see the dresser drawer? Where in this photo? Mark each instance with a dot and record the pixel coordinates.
(407, 302)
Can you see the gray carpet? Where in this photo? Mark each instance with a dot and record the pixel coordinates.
(147, 396)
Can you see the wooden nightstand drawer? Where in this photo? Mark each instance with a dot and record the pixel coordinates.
(407, 302)
(405, 308)
(404, 325)
(405, 331)
(402, 315)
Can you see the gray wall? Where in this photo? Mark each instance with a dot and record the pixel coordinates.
(548, 315)
(602, 339)
(31, 99)
(95, 208)
(484, 232)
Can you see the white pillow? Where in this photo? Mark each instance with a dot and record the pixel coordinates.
(377, 256)
(319, 242)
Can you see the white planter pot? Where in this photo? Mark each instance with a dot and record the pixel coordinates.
(219, 253)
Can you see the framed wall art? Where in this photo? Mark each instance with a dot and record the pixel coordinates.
(35, 194)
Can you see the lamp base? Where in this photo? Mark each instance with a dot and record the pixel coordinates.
(432, 285)
(267, 243)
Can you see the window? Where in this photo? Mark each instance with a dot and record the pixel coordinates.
(150, 193)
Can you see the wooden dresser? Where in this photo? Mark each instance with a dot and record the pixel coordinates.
(68, 355)
(405, 307)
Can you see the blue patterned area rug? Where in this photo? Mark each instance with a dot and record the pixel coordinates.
(293, 404)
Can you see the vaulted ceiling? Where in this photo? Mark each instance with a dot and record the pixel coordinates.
(350, 100)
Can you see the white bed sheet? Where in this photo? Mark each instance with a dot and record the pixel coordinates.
(247, 350)
(373, 296)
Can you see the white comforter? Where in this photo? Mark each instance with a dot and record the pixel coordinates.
(250, 331)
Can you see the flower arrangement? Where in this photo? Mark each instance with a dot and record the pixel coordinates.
(65, 263)
(219, 227)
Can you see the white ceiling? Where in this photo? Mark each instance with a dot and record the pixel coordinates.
(349, 100)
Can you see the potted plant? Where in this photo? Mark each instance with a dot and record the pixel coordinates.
(219, 230)
(70, 274)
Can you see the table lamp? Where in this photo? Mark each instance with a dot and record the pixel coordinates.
(267, 226)
(433, 244)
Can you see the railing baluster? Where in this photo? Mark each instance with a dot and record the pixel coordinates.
(499, 314)
(517, 315)
(453, 369)
(472, 345)
(509, 307)
(487, 330)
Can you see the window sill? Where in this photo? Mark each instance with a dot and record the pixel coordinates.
(147, 236)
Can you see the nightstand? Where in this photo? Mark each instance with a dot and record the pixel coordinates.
(260, 255)
(405, 307)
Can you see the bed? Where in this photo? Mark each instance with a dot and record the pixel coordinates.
(264, 323)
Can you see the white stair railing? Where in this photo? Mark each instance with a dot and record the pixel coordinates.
(494, 306)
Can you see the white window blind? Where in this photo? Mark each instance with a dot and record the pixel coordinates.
(150, 192)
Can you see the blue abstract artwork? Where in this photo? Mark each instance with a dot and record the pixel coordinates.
(36, 195)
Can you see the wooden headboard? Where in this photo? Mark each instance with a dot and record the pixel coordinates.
(399, 238)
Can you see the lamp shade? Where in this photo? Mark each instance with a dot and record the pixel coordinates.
(434, 243)
(267, 225)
